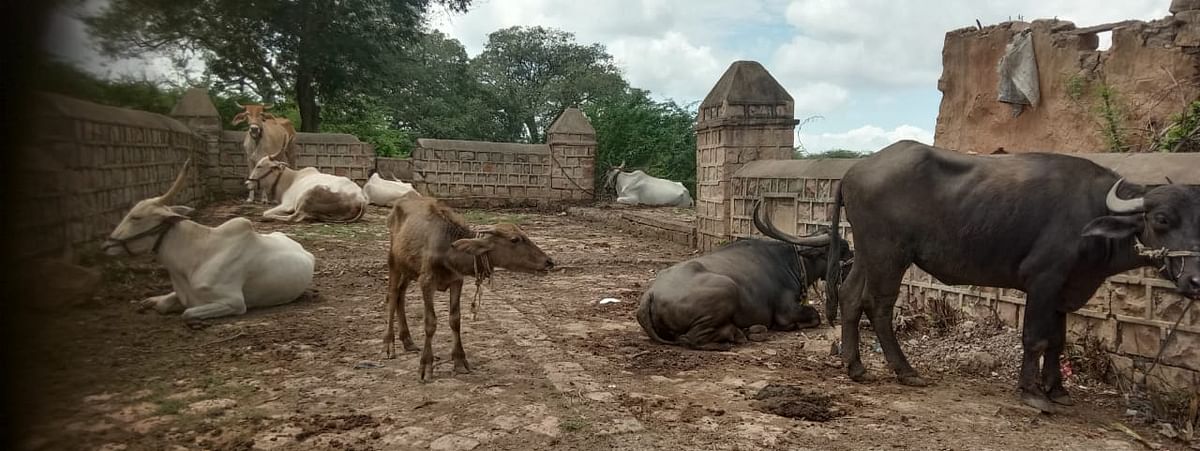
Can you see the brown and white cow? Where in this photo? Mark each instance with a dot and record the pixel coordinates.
(266, 135)
(433, 245)
(307, 193)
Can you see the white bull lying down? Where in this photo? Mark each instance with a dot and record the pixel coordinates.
(215, 271)
(384, 192)
(307, 193)
(637, 187)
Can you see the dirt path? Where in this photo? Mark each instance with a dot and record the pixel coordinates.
(553, 370)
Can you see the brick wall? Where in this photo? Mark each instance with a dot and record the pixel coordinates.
(1129, 316)
(87, 164)
(331, 153)
(477, 173)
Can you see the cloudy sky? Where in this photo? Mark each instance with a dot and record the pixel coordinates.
(869, 67)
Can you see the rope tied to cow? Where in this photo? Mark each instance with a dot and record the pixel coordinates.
(1165, 255)
(483, 273)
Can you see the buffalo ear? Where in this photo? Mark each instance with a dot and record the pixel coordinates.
(473, 246)
(1113, 227)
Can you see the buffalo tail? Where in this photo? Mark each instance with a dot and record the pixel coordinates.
(833, 269)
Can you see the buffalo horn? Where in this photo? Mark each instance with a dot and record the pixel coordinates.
(1119, 205)
(764, 226)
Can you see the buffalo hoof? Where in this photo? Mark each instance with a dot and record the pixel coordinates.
(912, 381)
(409, 346)
(757, 329)
(1061, 397)
(861, 376)
(1037, 401)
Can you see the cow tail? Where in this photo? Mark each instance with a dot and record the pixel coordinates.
(645, 317)
(833, 269)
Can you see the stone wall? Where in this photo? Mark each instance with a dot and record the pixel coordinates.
(331, 153)
(483, 173)
(1128, 318)
(87, 164)
(1152, 71)
(396, 167)
(487, 174)
(747, 116)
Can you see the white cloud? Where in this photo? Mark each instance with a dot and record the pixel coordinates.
(866, 138)
(817, 98)
(672, 65)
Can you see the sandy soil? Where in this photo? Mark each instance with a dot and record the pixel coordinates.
(552, 369)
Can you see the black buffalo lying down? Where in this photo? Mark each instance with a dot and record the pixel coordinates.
(710, 301)
(1054, 226)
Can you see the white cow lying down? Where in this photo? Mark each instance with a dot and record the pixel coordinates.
(384, 192)
(307, 193)
(215, 271)
(637, 187)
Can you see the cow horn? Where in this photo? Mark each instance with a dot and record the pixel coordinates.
(765, 227)
(1119, 205)
(178, 185)
(1169, 182)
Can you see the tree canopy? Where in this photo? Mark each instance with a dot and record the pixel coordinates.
(530, 74)
(311, 50)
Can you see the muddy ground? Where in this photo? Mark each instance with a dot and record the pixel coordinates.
(553, 369)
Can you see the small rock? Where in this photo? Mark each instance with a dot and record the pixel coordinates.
(1131, 412)
(548, 426)
(453, 442)
(506, 422)
(770, 351)
(210, 406)
(601, 396)
(977, 362)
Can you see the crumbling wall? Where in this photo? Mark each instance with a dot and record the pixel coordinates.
(1150, 73)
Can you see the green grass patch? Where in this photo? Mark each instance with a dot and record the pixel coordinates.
(574, 424)
(170, 406)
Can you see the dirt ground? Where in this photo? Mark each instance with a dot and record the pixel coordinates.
(553, 369)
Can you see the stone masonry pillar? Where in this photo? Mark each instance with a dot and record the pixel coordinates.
(196, 111)
(747, 116)
(572, 142)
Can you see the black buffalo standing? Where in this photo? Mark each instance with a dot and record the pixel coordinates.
(711, 301)
(1054, 226)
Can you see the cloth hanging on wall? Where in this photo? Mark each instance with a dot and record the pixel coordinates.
(1019, 73)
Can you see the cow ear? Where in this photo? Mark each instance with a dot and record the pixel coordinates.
(473, 246)
(238, 118)
(182, 210)
(1114, 227)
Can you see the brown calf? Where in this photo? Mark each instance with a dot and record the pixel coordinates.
(432, 244)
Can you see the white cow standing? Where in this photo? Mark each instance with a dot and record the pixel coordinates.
(637, 187)
(384, 192)
(307, 193)
(215, 271)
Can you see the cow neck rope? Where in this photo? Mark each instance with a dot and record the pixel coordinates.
(161, 230)
(1164, 255)
(483, 272)
(278, 177)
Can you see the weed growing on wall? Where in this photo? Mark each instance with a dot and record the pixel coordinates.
(1183, 135)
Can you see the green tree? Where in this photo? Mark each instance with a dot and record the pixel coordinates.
(433, 93)
(654, 136)
(531, 74)
(314, 50)
(832, 153)
(140, 94)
